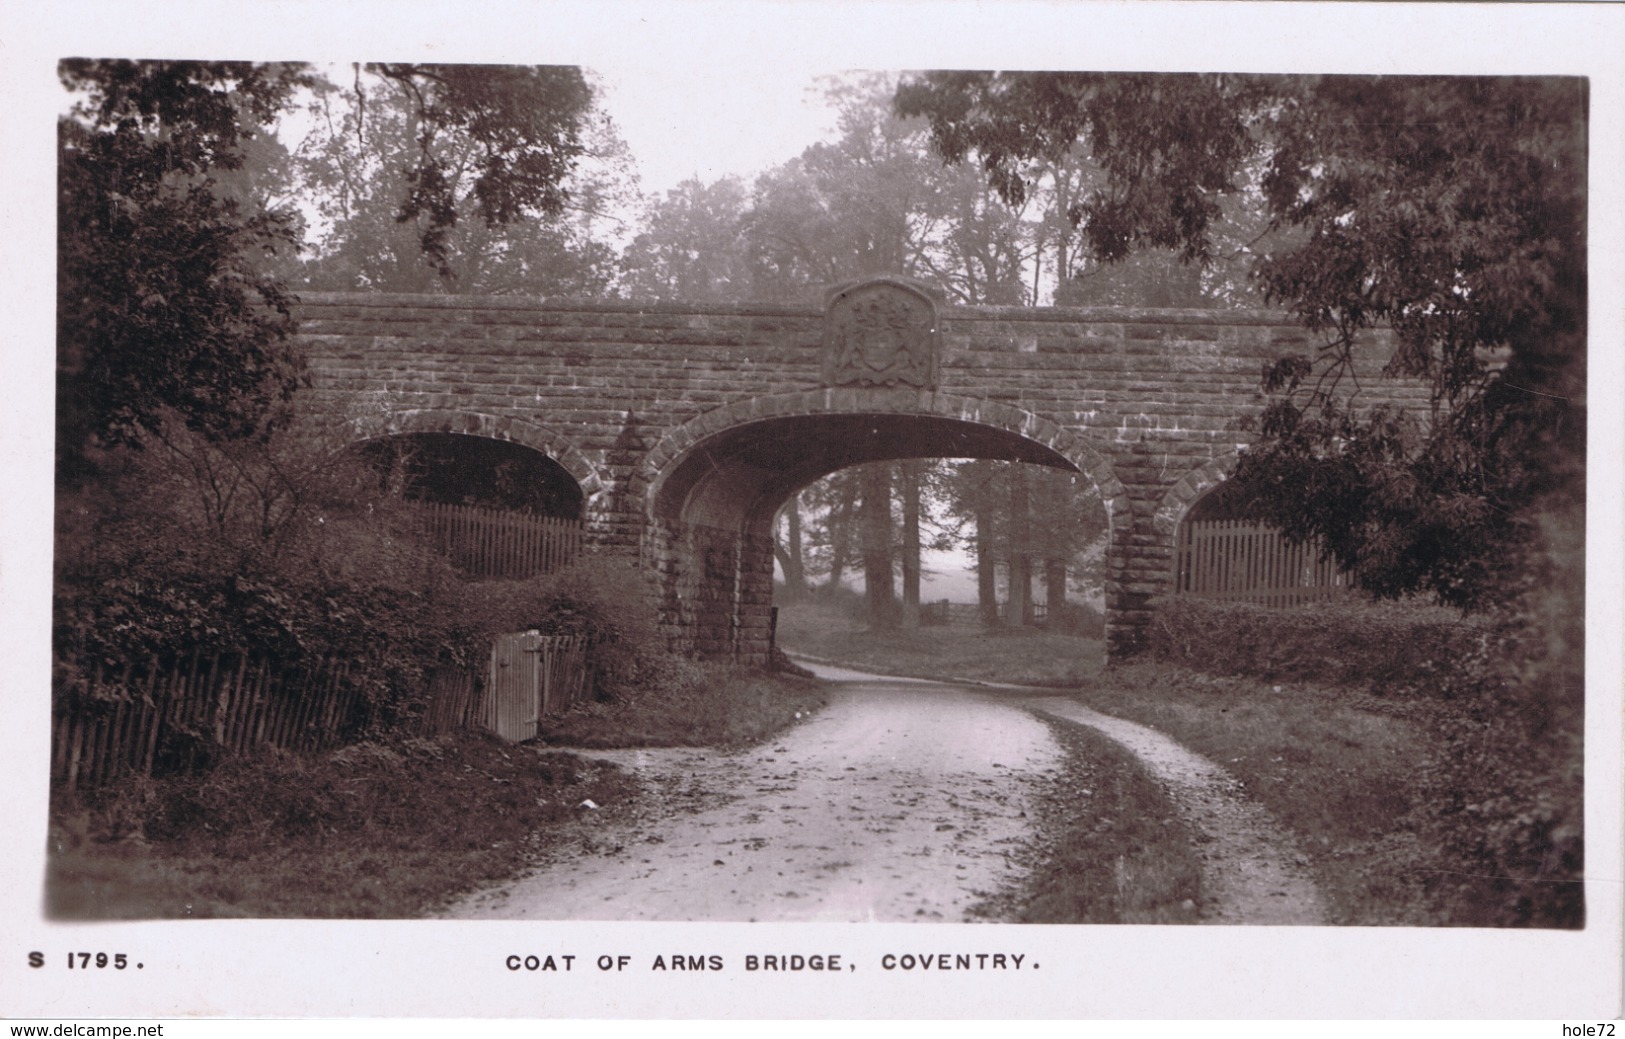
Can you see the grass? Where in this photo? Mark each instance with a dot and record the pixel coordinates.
(1339, 770)
(1113, 849)
(384, 829)
(1024, 656)
(1336, 774)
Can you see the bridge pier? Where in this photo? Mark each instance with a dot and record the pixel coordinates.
(713, 588)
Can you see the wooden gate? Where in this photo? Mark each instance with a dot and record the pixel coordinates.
(533, 675)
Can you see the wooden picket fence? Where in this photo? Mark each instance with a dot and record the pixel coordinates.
(160, 717)
(1241, 561)
(169, 714)
(490, 542)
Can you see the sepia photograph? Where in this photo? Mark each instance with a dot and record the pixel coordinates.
(587, 522)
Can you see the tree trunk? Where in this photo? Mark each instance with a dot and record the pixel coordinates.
(987, 576)
(795, 570)
(1020, 553)
(840, 528)
(877, 546)
(910, 473)
(1055, 592)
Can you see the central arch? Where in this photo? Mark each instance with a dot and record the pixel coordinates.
(771, 441)
(711, 487)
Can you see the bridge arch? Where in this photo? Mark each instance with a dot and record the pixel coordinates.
(554, 445)
(711, 487)
(1185, 492)
(737, 444)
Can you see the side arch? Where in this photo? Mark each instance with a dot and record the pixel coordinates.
(472, 423)
(673, 449)
(1184, 493)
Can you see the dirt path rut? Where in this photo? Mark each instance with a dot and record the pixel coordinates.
(1251, 871)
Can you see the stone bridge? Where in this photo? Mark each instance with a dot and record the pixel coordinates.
(686, 427)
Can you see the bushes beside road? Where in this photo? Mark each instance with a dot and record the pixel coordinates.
(1384, 646)
(1489, 828)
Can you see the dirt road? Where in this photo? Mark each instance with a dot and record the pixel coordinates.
(900, 801)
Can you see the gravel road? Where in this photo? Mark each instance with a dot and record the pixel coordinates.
(901, 800)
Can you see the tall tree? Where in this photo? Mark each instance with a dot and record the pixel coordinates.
(1451, 209)
(789, 550)
(507, 136)
(909, 488)
(162, 302)
(690, 246)
(486, 223)
(873, 201)
(1019, 549)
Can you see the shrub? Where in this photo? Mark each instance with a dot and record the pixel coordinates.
(602, 599)
(292, 547)
(1501, 704)
(1508, 772)
(1077, 618)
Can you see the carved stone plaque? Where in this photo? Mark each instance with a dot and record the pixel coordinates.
(881, 332)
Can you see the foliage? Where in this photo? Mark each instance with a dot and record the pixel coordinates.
(1498, 810)
(605, 601)
(294, 548)
(868, 202)
(520, 127)
(1325, 641)
(484, 179)
(1451, 210)
(1510, 770)
(690, 246)
(162, 304)
(873, 202)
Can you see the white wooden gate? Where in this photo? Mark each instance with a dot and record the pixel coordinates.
(532, 675)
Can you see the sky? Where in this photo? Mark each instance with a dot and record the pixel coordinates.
(684, 123)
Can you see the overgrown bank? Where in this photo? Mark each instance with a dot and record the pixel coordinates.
(389, 827)
(375, 829)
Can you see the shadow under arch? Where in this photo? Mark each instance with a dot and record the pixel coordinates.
(550, 443)
(732, 467)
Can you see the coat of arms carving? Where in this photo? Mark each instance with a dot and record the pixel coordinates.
(880, 333)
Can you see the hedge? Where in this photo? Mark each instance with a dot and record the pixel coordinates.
(1390, 647)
